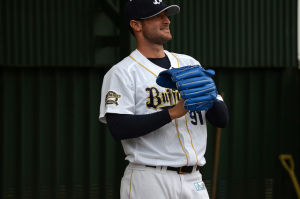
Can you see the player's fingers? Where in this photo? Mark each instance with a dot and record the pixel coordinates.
(194, 82)
(210, 72)
(199, 106)
(196, 92)
(164, 80)
(195, 71)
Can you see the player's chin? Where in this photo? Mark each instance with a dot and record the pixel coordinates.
(167, 36)
(164, 40)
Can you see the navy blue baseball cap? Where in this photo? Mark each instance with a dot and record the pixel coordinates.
(144, 9)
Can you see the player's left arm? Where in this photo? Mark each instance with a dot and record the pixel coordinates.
(218, 114)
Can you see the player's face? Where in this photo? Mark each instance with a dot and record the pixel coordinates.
(157, 29)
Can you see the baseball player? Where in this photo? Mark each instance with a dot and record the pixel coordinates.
(163, 141)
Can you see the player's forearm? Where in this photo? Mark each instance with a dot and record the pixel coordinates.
(218, 114)
(123, 126)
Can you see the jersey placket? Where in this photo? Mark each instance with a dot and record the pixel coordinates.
(183, 133)
(187, 143)
(187, 150)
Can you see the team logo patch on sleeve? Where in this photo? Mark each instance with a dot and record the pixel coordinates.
(112, 98)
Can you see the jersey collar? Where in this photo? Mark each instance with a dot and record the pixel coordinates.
(173, 59)
(142, 60)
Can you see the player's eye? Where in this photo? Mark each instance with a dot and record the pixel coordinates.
(162, 15)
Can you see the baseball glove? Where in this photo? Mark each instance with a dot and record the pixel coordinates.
(194, 84)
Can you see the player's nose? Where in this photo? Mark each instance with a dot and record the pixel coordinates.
(166, 19)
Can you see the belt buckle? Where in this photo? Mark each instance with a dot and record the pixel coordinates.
(181, 172)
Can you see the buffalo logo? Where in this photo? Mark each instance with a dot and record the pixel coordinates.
(155, 2)
(112, 98)
(161, 100)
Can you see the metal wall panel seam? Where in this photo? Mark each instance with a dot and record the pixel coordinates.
(81, 141)
(243, 41)
(268, 33)
(280, 33)
(261, 45)
(2, 13)
(96, 146)
(46, 127)
(8, 39)
(224, 34)
(38, 33)
(197, 29)
(30, 34)
(52, 33)
(237, 29)
(218, 32)
(16, 31)
(11, 136)
(24, 34)
(203, 36)
(2, 181)
(293, 32)
(211, 26)
(298, 33)
(232, 33)
(28, 134)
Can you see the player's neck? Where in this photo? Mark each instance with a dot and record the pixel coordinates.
(152, 51)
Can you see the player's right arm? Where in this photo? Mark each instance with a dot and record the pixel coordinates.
(125, 126)
(117, 93)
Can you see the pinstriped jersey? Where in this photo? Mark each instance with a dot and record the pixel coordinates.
(129, 87)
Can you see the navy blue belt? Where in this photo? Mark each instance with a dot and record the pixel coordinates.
(180, 170)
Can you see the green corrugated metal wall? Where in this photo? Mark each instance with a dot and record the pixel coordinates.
(221, 33)
(52, 143)
(237, 33)
(39, 33)
(54, 147)
(265, 122)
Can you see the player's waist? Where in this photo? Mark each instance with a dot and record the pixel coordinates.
(179, 170)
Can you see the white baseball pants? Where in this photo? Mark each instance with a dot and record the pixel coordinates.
(141, 182)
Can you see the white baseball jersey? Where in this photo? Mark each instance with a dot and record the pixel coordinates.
(129, 87)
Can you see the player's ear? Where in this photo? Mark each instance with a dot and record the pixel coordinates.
(136, 25)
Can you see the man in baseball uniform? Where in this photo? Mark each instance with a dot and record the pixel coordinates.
(163, 141)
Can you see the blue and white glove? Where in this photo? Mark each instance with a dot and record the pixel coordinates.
(194, 84)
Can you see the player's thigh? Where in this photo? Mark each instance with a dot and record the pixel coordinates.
(137, 184)
(194, 187)
(125, 184)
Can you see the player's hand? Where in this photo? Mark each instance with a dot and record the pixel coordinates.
(178, 110)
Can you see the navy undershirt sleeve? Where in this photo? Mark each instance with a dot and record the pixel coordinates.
(123, 126)
(218, 114)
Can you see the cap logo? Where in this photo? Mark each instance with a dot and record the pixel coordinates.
(156, 2)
